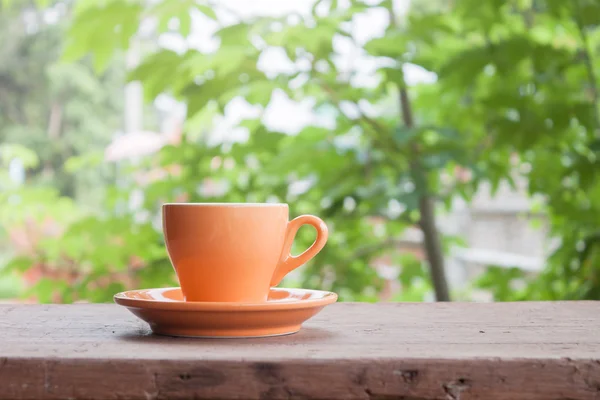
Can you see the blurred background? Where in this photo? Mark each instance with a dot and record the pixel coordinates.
(452, 147)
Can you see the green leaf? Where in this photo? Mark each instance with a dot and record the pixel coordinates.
(333, 5)
(466, 65)
(100, 29)
(318, 40)
(393, 45)
(179, 10)
(45, 289)
(102, 57)
(313, 9)
(411, 269)
(260, 92)
(185, 25)
(207, 10)
(404, 135)
(11, 151)
(499, 281)
(595, 146)
(89, 160)
(158, 72)
(19, 264)
(394, 75)
(589, 12)
(430, 27)
(234, 35)
(251, 124)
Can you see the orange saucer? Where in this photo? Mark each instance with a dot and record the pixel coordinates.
(167, 313)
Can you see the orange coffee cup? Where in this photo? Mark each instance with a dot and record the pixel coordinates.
(234, 252)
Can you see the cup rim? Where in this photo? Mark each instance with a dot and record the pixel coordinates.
(225, 204)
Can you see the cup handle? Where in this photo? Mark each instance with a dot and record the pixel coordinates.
(288, 262)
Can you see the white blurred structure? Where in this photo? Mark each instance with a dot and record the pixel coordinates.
(134, 145)
(498, 230)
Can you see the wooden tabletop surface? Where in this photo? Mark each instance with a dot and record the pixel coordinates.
(449, 351)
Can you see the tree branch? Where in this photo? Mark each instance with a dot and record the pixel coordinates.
(55, 121)
(363, 119)
(377, 127)
(431, 236)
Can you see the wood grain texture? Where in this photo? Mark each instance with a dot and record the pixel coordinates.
(446, 351)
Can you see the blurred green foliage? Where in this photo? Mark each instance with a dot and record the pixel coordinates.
(57, 110)
(516, 92)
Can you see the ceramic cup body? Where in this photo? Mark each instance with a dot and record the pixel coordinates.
(233, 252)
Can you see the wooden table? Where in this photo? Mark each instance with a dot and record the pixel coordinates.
(349, 351)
